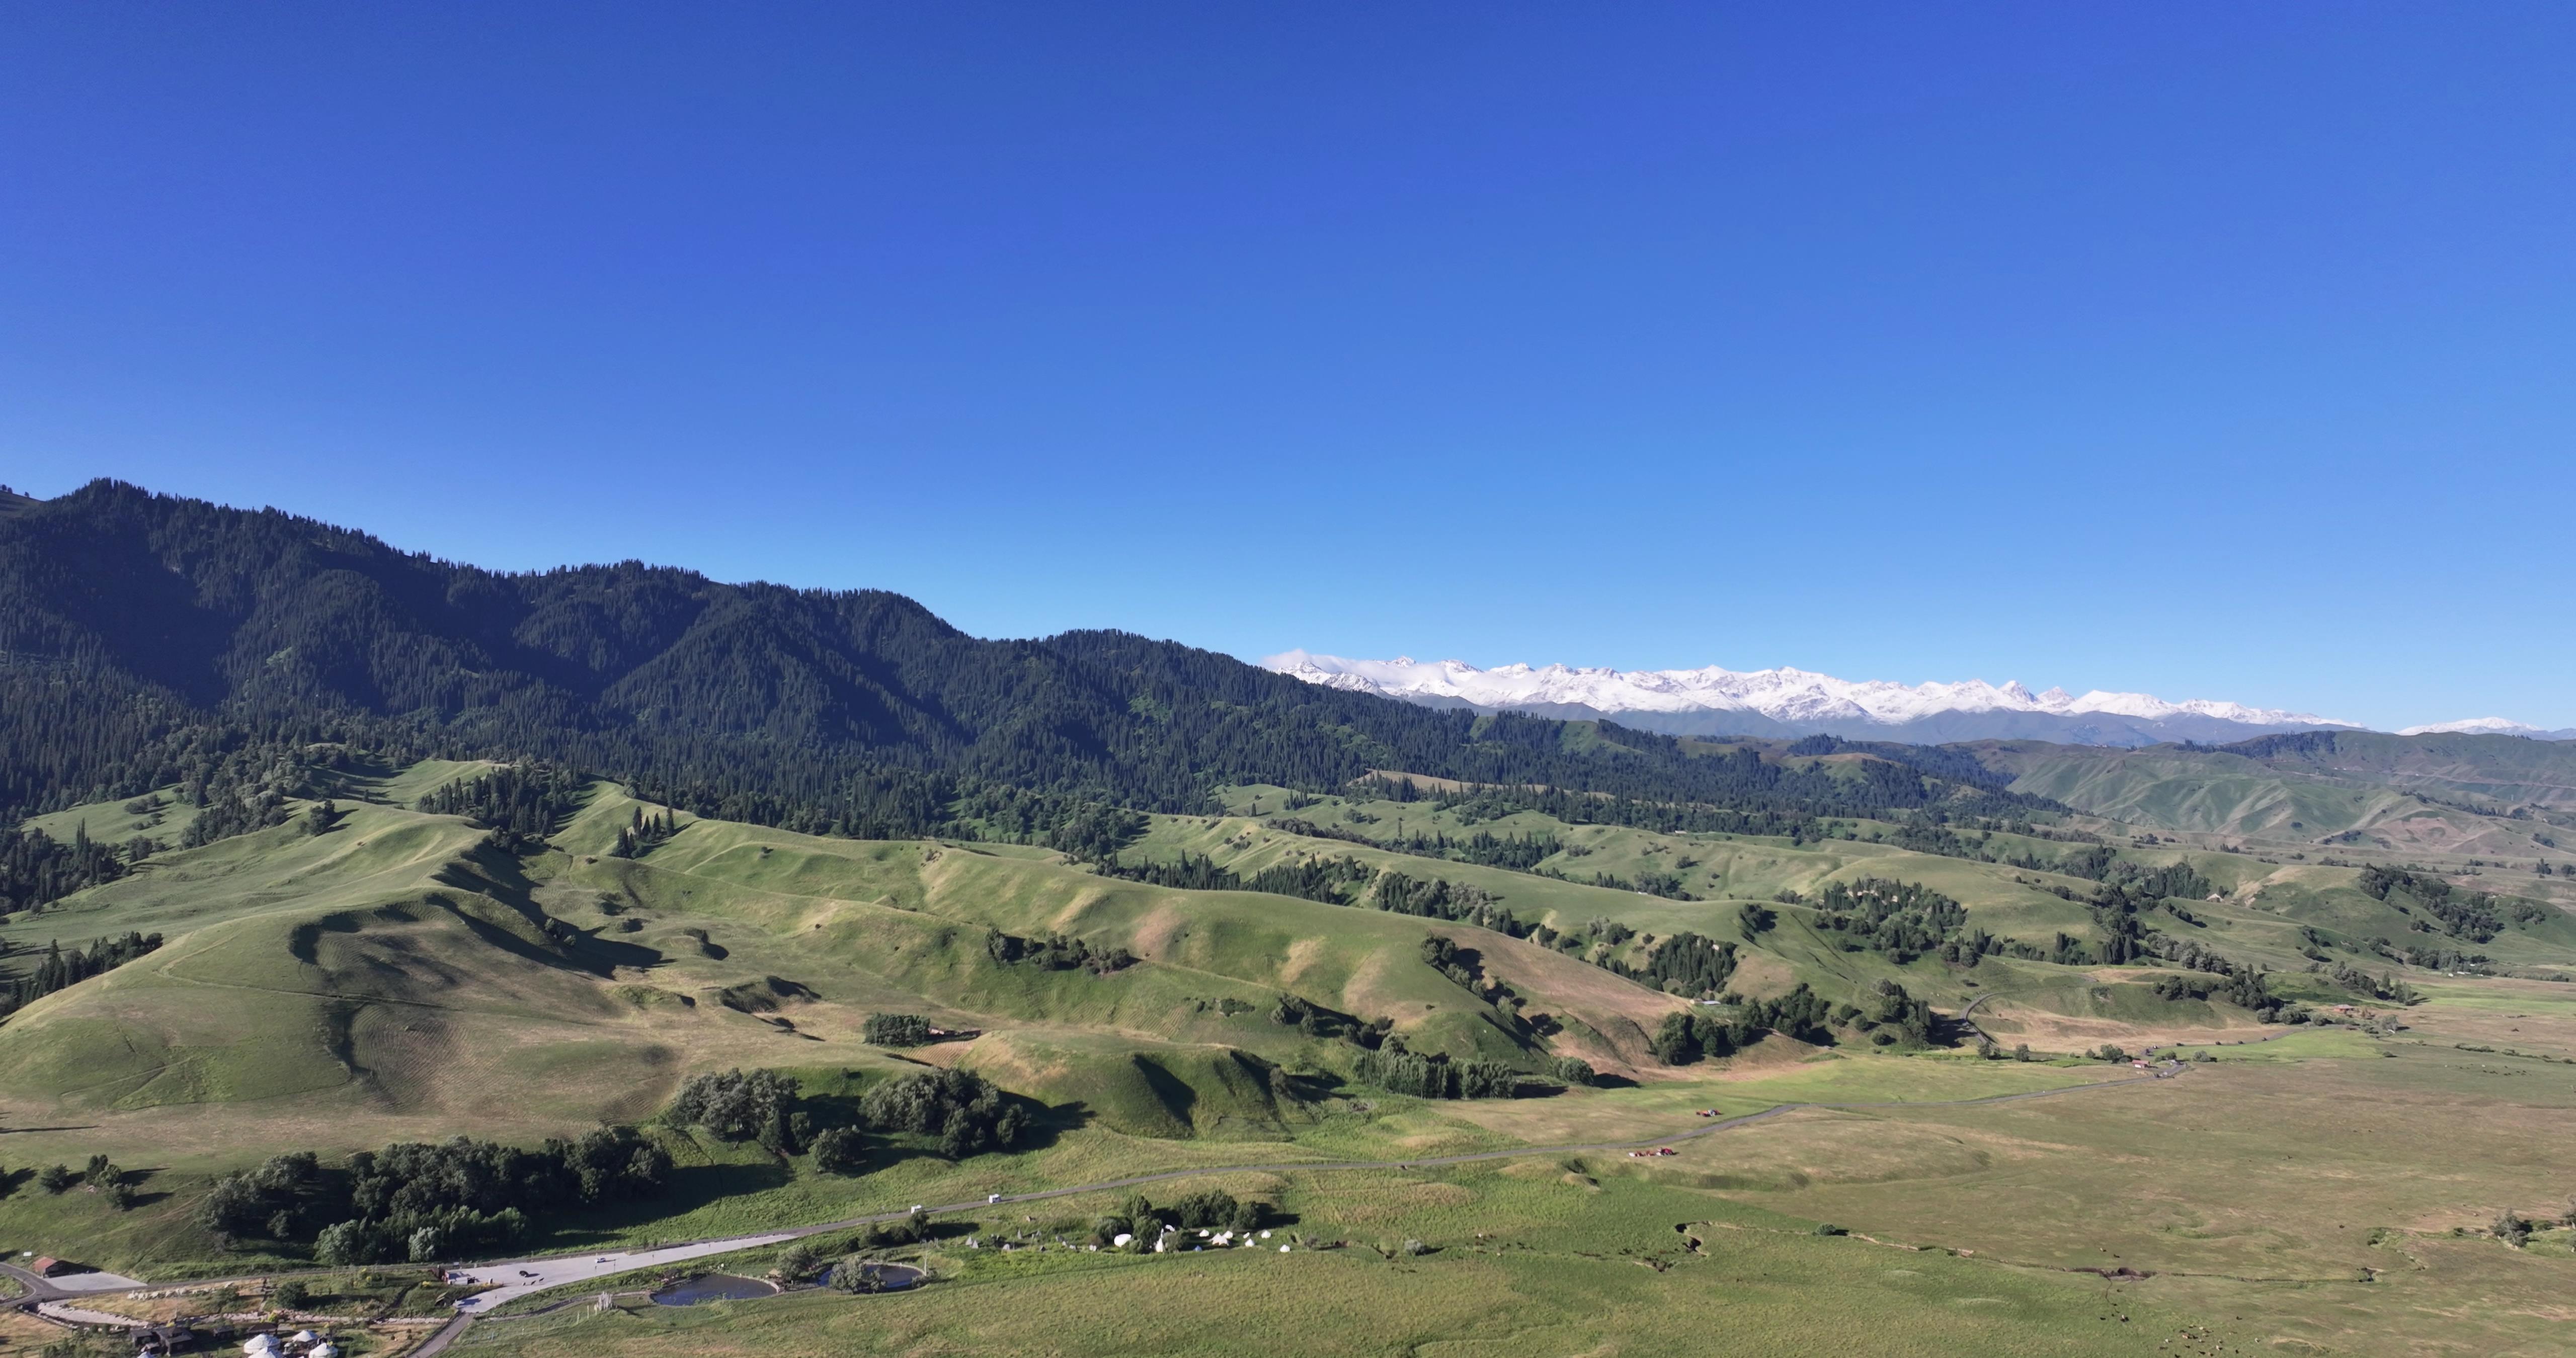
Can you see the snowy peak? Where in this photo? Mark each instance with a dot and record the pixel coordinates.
(1760, 701)
(2477, 726)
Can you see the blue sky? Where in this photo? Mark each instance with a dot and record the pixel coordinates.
(2210, 350)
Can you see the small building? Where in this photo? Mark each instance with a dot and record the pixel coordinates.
(161, 1340)
(47, 1266)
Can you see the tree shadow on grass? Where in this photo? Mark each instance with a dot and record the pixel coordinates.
(691, 1187)
(135, 1178)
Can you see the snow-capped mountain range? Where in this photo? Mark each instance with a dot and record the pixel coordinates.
(1780, 702)
(2489, 726)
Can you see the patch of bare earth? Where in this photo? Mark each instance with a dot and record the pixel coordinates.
(1621, 1010)
(2049, 1032)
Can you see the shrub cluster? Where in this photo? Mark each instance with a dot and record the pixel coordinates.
(897, 1030)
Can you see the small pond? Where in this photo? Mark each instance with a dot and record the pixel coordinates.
(708, 1287)
(885, 1277)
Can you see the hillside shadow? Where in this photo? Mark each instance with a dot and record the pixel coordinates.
(496, 875)
(352, 775)
(1175, 1094)
(1053, 1120)
(304, 941)
(1313, 1086)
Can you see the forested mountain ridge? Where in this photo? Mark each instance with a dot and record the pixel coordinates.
(131, 623)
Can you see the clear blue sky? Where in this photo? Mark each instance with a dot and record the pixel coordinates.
(2211, 350)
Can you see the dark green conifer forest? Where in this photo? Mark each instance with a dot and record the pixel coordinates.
(149, 640)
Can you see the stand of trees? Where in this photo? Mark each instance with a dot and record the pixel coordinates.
(1435, 1076)
(1334, 881)
(526, 801)
(2386, 987)
(1892, 1018)
(643, 833)
(1207, 1209)
(1701, 1033)
(422, 1202)
(762, 1106)
(966, 1112)
(896, 1030)
(36, 870)
(1056, 952)
(1516, 853)
(1684, 964)
(2477, 916)
(2250, 990)
(1439, 898)
(59, 970)
(1897, 920)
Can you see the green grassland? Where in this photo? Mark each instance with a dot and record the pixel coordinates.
(400, 977)
(2326, 1194)
(166, 818)
(1523, 1266)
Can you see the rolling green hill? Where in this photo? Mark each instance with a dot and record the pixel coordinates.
(2501, 772)
(393, 964)
(405, 976)
(2434, 798)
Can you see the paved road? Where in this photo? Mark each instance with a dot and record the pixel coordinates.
(65, 1286)
(1968, 1013)
(521, 1277)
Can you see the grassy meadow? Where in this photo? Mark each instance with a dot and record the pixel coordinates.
(401, 977)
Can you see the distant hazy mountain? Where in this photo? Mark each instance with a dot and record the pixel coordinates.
(1787, 702)
(2489, 726)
